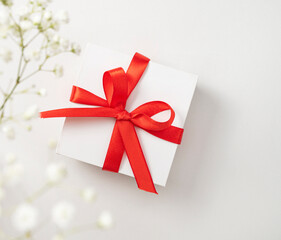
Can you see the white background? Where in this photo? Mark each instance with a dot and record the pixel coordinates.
(225, 180)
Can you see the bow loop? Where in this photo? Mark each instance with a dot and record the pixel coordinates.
(141, 116)
(82, 96)
(135, 70)
(115, 87)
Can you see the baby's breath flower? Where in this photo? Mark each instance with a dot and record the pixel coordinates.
(6, 54)
(25, 217)
(36, 19)
(26, 25)
(56, 172)
(64, 43)
(88, 194)
(31, 112)
(62, 17)
(52, 143)
(55, 25)
(63, 213)
(40, 3)
(75, 48)
(42, 92)
(55, 43)
(48, 15)
(105, 220)
(58, 70)
(8, 131)
(56, 39)
(28, 127)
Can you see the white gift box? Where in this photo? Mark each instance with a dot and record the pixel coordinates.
(87, 139)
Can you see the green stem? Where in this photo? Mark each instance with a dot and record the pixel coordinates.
(15, 85)
(10, 94)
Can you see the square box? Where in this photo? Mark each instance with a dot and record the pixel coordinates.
(87, 139)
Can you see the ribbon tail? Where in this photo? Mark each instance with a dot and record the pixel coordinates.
(135, 156)
(115, 151)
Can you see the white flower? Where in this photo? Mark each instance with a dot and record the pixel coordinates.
(6, 54)
(55, 25)
(56, 172)
(36, 19)
(25, 217)
(12, 173)
(56, 39)
(52, 143)
(42, 92)
(88, 194)
(48, 15)
(62, 214)
(75, 48)
(10, 158)
(28, 127)
(105, 220)
(33, 55)
(8, 131)
(55, 43)
(43, 3)
(58, 237)
(26, 25)
(62, 16)
(58, 70)
(64, 44)
(31, 112)
(40, 3)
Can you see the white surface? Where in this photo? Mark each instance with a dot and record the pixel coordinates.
(87, 140)
(225, 180)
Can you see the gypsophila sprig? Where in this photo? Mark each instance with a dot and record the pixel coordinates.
(33, 28)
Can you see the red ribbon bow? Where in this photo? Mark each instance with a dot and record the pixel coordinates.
(118, 86)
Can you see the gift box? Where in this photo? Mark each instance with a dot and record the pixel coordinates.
(92, 138)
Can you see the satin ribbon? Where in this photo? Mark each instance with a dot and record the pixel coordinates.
(118, 86)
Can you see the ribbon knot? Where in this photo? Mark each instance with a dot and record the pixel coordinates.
(124, 115)
(118, 86)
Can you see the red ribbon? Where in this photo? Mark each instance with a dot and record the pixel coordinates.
(118, 86)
